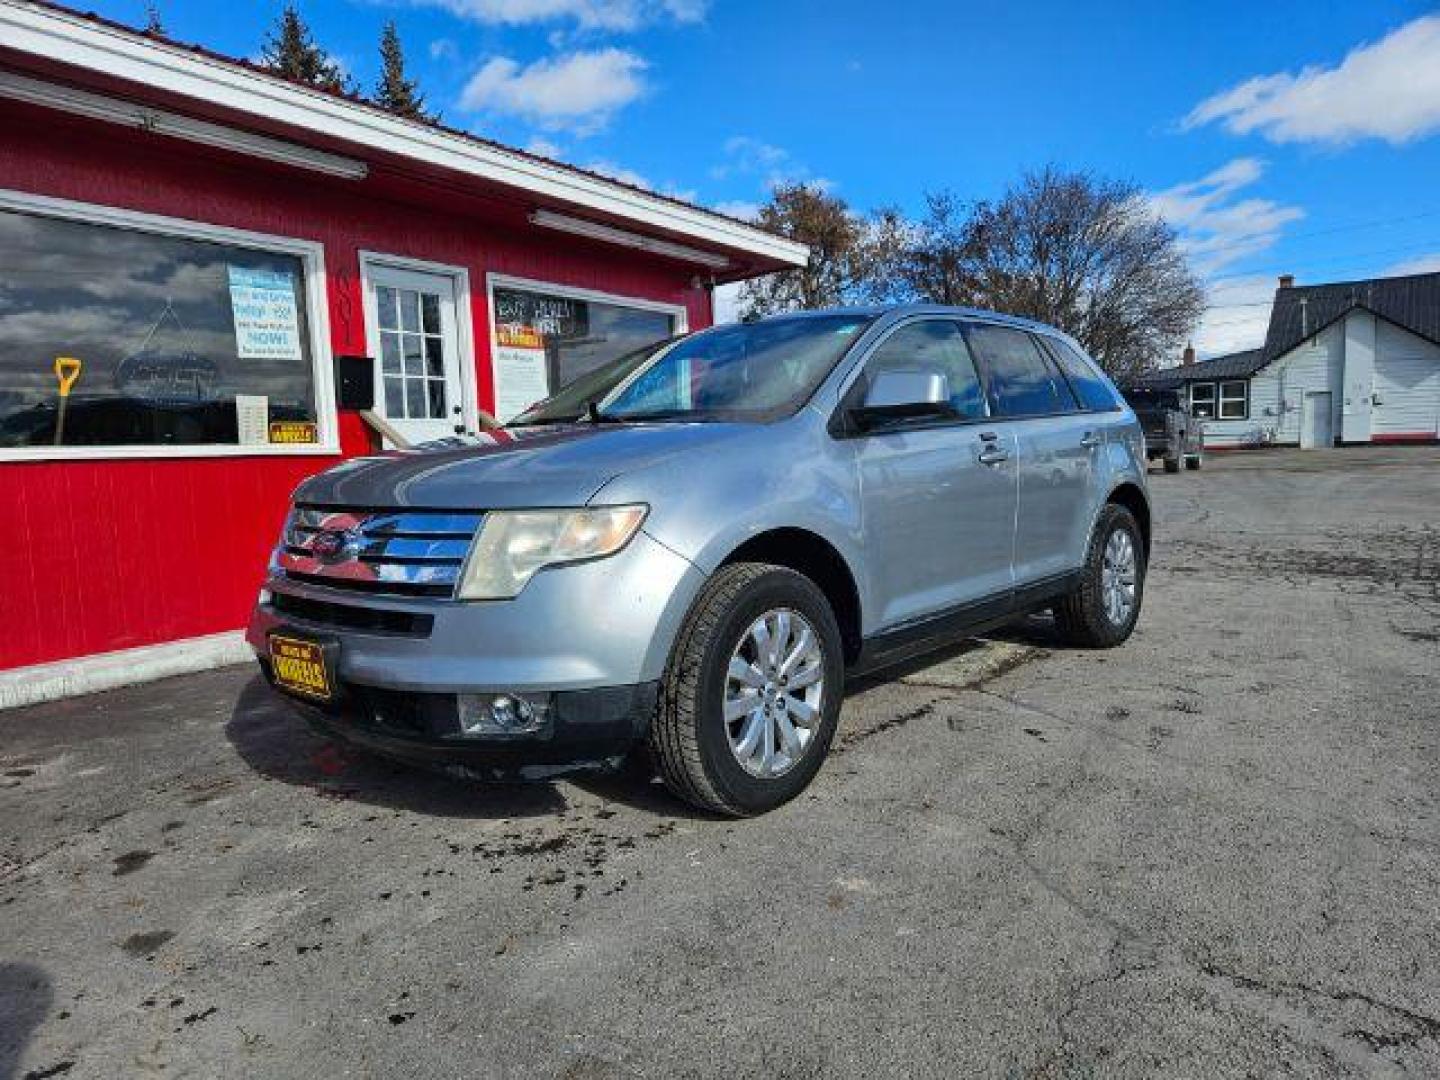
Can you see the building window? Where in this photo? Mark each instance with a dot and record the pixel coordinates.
(547, 336)
(1235, 400)
(1202, 400)
(169, 340)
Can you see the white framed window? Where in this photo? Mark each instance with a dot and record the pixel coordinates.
(1235, 400)
(1202, 400)
(544, 336)
(179, 338)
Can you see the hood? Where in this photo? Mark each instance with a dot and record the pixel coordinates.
(551, 466)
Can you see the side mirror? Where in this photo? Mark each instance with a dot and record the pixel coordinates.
(904, 395)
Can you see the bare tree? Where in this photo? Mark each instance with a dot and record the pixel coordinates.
(849, 254)
(1084, 254)
(933, 264)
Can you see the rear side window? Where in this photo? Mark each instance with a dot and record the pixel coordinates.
(1089, 385)
(1023, 380)
(934, 345)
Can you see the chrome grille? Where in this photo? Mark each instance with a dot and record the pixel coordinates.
(402, 552)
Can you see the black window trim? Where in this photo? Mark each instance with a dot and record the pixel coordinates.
(1052, 344)
(1214, 399)
(840, 426)
(983, 367)
(1220, 385)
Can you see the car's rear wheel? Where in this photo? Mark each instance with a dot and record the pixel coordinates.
(751, 696)
(1103, 609)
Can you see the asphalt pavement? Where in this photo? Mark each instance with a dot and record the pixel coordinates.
(1212, 852)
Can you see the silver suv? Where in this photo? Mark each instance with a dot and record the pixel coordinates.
(697, 559)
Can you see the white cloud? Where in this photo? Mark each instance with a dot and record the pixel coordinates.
(1217, 229)
(613, 15)
(543, 147)
(745, 156)
(743, 209)
(1422, 264)
(578, 92)
(634, 179)
(1238, 315)
(444, 49)
(1387, 90)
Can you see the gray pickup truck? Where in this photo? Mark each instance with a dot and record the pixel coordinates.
(1172, 435)
(696, 561)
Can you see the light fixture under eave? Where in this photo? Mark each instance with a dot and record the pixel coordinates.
(548, 219)
(161, 122)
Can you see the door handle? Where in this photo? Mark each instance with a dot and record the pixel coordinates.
(991, 454)
(1090, 440)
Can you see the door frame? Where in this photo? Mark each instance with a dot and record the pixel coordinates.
(464, 321)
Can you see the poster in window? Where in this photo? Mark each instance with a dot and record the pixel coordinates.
(267, 323)
(521, 377)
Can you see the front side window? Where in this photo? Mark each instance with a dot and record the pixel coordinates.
(746, 371)
(544, 341)
(1202, 400)
(168, 341)
(1235, 399)
(1023, 381)
(934, 345)
(1094, 392)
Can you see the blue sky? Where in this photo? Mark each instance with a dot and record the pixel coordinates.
(1278, 137)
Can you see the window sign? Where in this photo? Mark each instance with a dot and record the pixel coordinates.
(520, 370)
(267, 325)
(181, 341)
(544, 341)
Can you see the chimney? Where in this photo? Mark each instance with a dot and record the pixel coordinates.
(1188, 357)
(1287, 281)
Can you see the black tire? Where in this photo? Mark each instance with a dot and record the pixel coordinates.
(1194, 461)
(688, 738)
(1081, 617)
(1172, 464)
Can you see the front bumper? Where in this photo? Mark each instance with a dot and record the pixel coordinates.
(593, 638)
(584, 730)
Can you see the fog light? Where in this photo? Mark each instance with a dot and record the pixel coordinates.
(501, 714)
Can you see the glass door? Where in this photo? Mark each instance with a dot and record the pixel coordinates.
(413, 327)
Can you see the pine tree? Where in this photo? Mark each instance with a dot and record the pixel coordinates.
(153, 23)
(396, 93)
(291, 51)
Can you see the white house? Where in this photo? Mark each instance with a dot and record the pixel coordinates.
(1349, 362)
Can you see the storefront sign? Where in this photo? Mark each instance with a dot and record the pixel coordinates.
(294, 431)
(267, 324)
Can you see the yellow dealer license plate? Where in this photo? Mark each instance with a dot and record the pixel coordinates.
(299, 667)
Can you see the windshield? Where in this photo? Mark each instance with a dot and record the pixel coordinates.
(568, 403)
(747, 371)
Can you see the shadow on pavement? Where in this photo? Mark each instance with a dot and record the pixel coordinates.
(275, 741)
(25, 998)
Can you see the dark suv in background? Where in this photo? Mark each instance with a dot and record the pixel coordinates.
(1171, 433)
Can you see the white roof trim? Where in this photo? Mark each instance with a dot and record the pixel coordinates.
(68, 38)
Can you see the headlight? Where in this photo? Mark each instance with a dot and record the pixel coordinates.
(514, 544)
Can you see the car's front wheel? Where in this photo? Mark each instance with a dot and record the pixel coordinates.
(1102, 610)
(752, 692)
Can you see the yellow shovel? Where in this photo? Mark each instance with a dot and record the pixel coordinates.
(67, 370)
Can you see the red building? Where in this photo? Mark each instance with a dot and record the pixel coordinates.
(205, 238)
